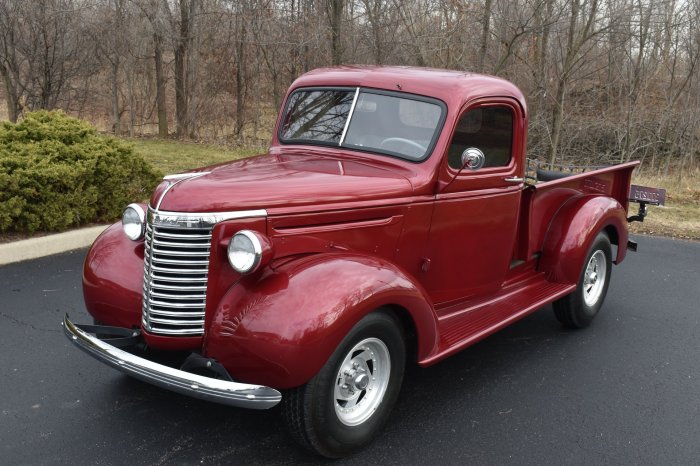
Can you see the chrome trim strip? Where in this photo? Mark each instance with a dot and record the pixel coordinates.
(177, 288)
(181, 253)
(170, 186)
(179, 332)
(171, 244)
(155, 302)
(178, 178)
(180, 279)
(347, 122)
(179, 236)
(176, 262)
(191, 323)
(197, 386)
(177, 314)
(165, 218)
(180, 271)
(183, 176)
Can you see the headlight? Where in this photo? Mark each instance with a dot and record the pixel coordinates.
(134, 222)
(245, 251)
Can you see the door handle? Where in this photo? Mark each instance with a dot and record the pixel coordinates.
(514, 179)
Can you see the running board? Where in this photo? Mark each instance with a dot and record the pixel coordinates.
(466, 327)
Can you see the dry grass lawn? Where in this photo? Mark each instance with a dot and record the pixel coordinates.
(680, 217)
(177, 156)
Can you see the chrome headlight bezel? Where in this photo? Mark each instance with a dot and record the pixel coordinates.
(134, 222)
(252, 255)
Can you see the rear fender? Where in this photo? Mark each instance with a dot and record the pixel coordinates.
(280, 329)
(572, 231)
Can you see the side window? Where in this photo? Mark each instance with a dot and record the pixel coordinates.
(489, 129)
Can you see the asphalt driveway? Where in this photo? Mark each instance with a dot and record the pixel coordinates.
(624, 391)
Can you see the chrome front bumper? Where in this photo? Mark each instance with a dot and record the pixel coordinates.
(194, 385)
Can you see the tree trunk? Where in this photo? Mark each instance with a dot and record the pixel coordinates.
(10, 95)
(240, 76)
(132, 103)
(486, 24)
(160, 87)
(193, 72)
(335, 15)
(540, 68)
(116, 117)
(557, 121)
(180, 52)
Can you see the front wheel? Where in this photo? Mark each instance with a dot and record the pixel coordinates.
(346, 404)
(578, 309)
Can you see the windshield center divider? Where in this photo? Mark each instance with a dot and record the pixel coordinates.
(347, 122)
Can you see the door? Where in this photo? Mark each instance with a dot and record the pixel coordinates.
(474, 223)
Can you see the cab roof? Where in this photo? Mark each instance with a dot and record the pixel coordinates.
(455, 88)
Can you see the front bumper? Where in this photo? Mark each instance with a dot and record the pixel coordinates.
(194, 385)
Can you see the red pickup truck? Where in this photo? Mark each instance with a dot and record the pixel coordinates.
(391, 222)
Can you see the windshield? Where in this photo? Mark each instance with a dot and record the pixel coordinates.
(396, 124)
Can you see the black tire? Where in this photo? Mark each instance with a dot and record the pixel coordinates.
(578, 309)
(313, 413)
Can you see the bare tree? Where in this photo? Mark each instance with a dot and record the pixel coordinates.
(582, 28)
(606, 81)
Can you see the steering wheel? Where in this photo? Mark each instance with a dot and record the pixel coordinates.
(402, 140)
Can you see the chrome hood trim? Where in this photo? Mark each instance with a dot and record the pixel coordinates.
(177, 179)
(205, 219)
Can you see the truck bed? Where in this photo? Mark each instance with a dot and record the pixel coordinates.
(542, 200)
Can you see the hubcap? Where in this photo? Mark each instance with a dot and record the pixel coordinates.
(361, 381)
(594, 278)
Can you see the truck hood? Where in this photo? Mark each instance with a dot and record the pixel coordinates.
(277, 181)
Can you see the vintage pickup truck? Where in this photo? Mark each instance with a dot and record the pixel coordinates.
(391, 222)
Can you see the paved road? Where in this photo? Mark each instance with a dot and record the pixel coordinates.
(625, 391)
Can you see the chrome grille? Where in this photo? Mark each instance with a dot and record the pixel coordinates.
(176, 267)
(176, 264)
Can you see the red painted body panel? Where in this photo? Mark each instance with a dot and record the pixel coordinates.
(351, 231)
(373, 230)
(113, 279)
(471, 244)
(466, 325)
(573, 230)
(270, 181)
(280, 328)
(547, 198)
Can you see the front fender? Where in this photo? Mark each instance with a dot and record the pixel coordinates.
(113, 279)
(281, 328)
(572, 231)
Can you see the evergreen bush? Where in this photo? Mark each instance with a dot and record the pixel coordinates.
(57, 172)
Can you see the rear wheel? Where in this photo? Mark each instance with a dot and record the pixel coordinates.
(346, 404)
(578, 309)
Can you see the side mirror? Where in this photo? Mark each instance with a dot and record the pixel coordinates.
(473, 158)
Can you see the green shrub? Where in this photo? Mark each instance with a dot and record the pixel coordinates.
(57, 172)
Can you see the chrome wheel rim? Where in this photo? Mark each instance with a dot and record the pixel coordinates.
(361, 381)
(594, 278)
